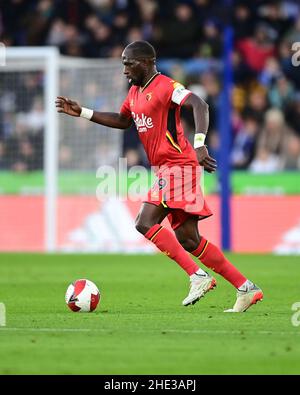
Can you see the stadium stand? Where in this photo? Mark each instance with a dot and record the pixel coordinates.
(188, 38)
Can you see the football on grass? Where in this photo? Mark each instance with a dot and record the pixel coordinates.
(82, 296)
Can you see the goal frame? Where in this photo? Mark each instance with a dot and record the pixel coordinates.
(50, 57)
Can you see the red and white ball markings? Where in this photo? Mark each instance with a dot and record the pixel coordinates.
(82, 295)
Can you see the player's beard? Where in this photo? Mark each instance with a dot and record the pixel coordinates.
(133, 81)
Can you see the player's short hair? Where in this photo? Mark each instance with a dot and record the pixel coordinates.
(142, 49)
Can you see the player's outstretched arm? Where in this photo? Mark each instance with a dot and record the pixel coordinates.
(111, 119)
(201, 119)
(67, 106)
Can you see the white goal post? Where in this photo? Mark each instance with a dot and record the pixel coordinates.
(31, 58)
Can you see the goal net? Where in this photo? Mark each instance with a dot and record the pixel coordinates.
(28, 84)
(48, 161)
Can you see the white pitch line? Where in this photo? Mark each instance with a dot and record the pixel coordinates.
(47, 329)
(158, 331)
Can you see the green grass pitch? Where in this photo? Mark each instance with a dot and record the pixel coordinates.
(140, 326)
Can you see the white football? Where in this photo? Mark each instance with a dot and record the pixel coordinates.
(82, 295)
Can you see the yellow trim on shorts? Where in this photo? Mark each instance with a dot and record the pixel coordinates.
(164, 204)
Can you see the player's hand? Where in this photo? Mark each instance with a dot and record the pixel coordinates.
(67, 106)
(209, 163)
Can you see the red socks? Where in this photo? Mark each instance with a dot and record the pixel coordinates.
(166, 242)
(208, 253)
(213, 258)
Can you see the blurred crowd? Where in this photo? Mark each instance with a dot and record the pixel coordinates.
(188, 36)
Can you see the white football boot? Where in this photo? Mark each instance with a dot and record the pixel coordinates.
(246, 298)
(199, 286)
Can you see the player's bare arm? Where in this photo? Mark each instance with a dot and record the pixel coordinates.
(111, 119)
(201, 119)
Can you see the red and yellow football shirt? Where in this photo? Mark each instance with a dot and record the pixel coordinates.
(156, 113)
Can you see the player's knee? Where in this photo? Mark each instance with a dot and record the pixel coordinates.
(141, 227)
(188, 244)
